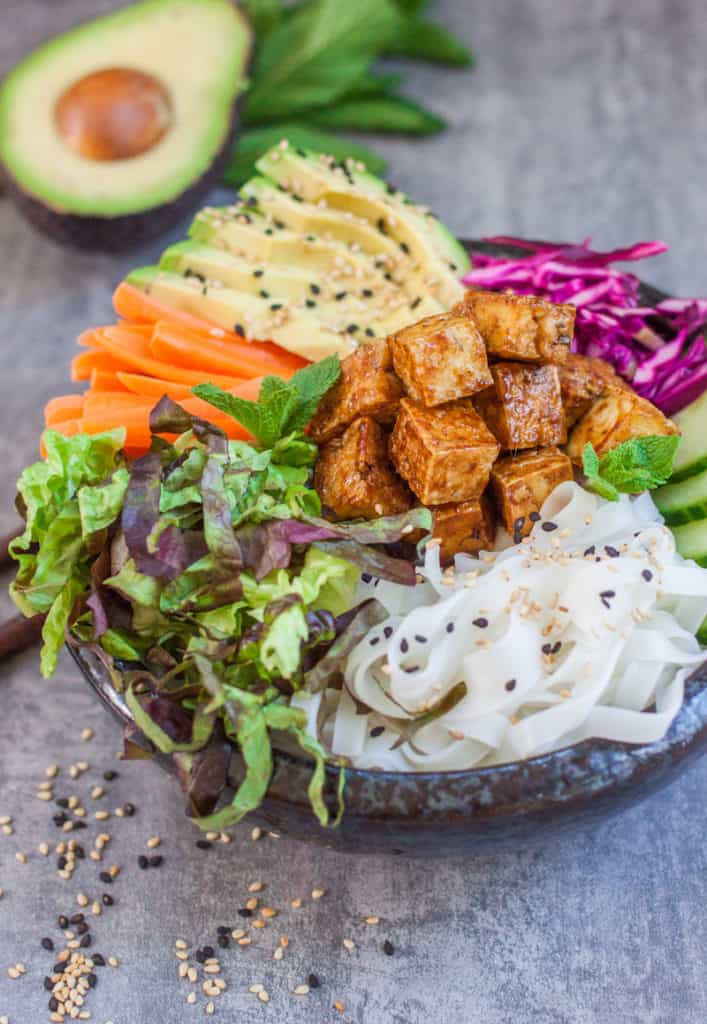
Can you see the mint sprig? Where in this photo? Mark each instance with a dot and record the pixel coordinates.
(283, 407)
(638, 465)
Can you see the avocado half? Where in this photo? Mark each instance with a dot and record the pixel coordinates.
(111, 133)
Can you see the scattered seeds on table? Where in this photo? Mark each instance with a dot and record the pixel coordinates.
(20, 857)
(372, 919)
(349, 944)
(52, 771)
(318, 893)
(296, 903)
(301, 990)
(256, 834)
(153, 842)
(86, 734)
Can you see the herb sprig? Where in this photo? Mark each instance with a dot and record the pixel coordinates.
(312, 75)
(638, 465)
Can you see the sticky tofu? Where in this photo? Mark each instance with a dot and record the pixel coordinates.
(583, 379)
(617, 417)
(523, 408)
(367, 387)
(521, 483)
(440, 359)
(445, 453)
(354, 477)
(464, 526)
(521, 327)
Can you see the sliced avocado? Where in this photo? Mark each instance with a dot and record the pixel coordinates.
(105, 139)
(329, 184)
(295, 329)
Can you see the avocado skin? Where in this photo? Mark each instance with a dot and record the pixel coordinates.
(118, 234)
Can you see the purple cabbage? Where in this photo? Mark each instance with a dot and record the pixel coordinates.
(659, 349)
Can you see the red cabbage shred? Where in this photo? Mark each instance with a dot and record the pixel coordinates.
(659, 349)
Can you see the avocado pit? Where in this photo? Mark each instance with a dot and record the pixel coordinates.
(114, 114)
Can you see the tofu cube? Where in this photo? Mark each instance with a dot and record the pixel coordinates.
(367, 387)
(520, 327)
(464, 526)
(523, 408)
(615, 418)
(521, 483)
(354, 477)
(583, 379)
(445, 453)
(440, 359)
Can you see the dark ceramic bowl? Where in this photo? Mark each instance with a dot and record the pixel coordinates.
(467, 812)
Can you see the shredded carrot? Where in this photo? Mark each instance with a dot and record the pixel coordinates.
(83, 365)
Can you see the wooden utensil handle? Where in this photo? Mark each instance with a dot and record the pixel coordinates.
(18, 633)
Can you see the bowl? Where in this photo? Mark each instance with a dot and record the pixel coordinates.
(467, 812)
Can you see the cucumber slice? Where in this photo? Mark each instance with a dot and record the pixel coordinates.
(683, 502)
(691, 456)
(691, 541)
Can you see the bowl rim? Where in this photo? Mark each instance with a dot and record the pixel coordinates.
(569, 757)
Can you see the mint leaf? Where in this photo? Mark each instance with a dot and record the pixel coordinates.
(388, 114)
(637, 465)
(248, 414)
(425, 40)
(312, 383)
(278, 401)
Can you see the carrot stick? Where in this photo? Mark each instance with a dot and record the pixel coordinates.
(83, 365)
(103, 380)
(197, 350)
(152, 387)
(137, 307)
(132, 350)
(63, 409)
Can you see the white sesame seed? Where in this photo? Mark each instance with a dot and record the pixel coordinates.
(372, 919)
(263, 997)
(349, 944)
(13, 973)
(113, 961)
(153, 842)
(21, 858)
(256, 833)
(279, 953)
(296, 903)
(255, 887)
(209, 1008)
(82, 899)
(256, 988)
(181, 954)
(8, 830)
(191, 998)
(86, 735)
(52, 771)
(318, 893)
(182, 969)
(181, 944)
(97, 792)
(192, 974)
(5, 819)
(301, 990)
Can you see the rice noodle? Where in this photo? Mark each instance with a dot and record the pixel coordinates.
(584, 630)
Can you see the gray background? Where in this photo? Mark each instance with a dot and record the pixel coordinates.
(583, 117)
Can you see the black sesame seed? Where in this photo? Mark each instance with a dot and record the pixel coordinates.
(59, 968)
(374, 640)
(405, 247)
(380, 224)
(108, 900)
(548, 527)
(264, 294)
(240, 330)
(420, 638)
(647, 575)
(62, 801)
(79, 852)
(366, 577)
(387, 632)
(61, 863)
(367, 293)
(314, 289)
(279, 224)
(91, 979)
(416, 302)
(53, 1004)
(244, 912)
(258, 273)
(404, 645)
(98, 960)
(63, 921)
(300, 152)
(76, 919)
(482, 623)
(310, 238)
(48, 984)
(143, 862)
(352, 328)
(370, 333)
(59, 819)
(519, 523)
(411, 669)
(313, 981)
(156, 860)
(546, 648)
(388, 947)
(450, 627)
(388, 276)
(106, 878)
(268, 231)
(208, 952)
(223, 929)
(275, 305)
(47, 944)
(376, 731)
(608, 593)
(534, 517)
(310, 303)
(590, 550)
(223, 941)
(556, 647)
(85, 941)
(511, 685)
(203, 844)
(611, 552)
(200, 956)
(79, 824)
(340, 295)
(82, 928)
(110, 775)
(129, 810)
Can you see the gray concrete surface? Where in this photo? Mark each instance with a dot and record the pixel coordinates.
(581, 118)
